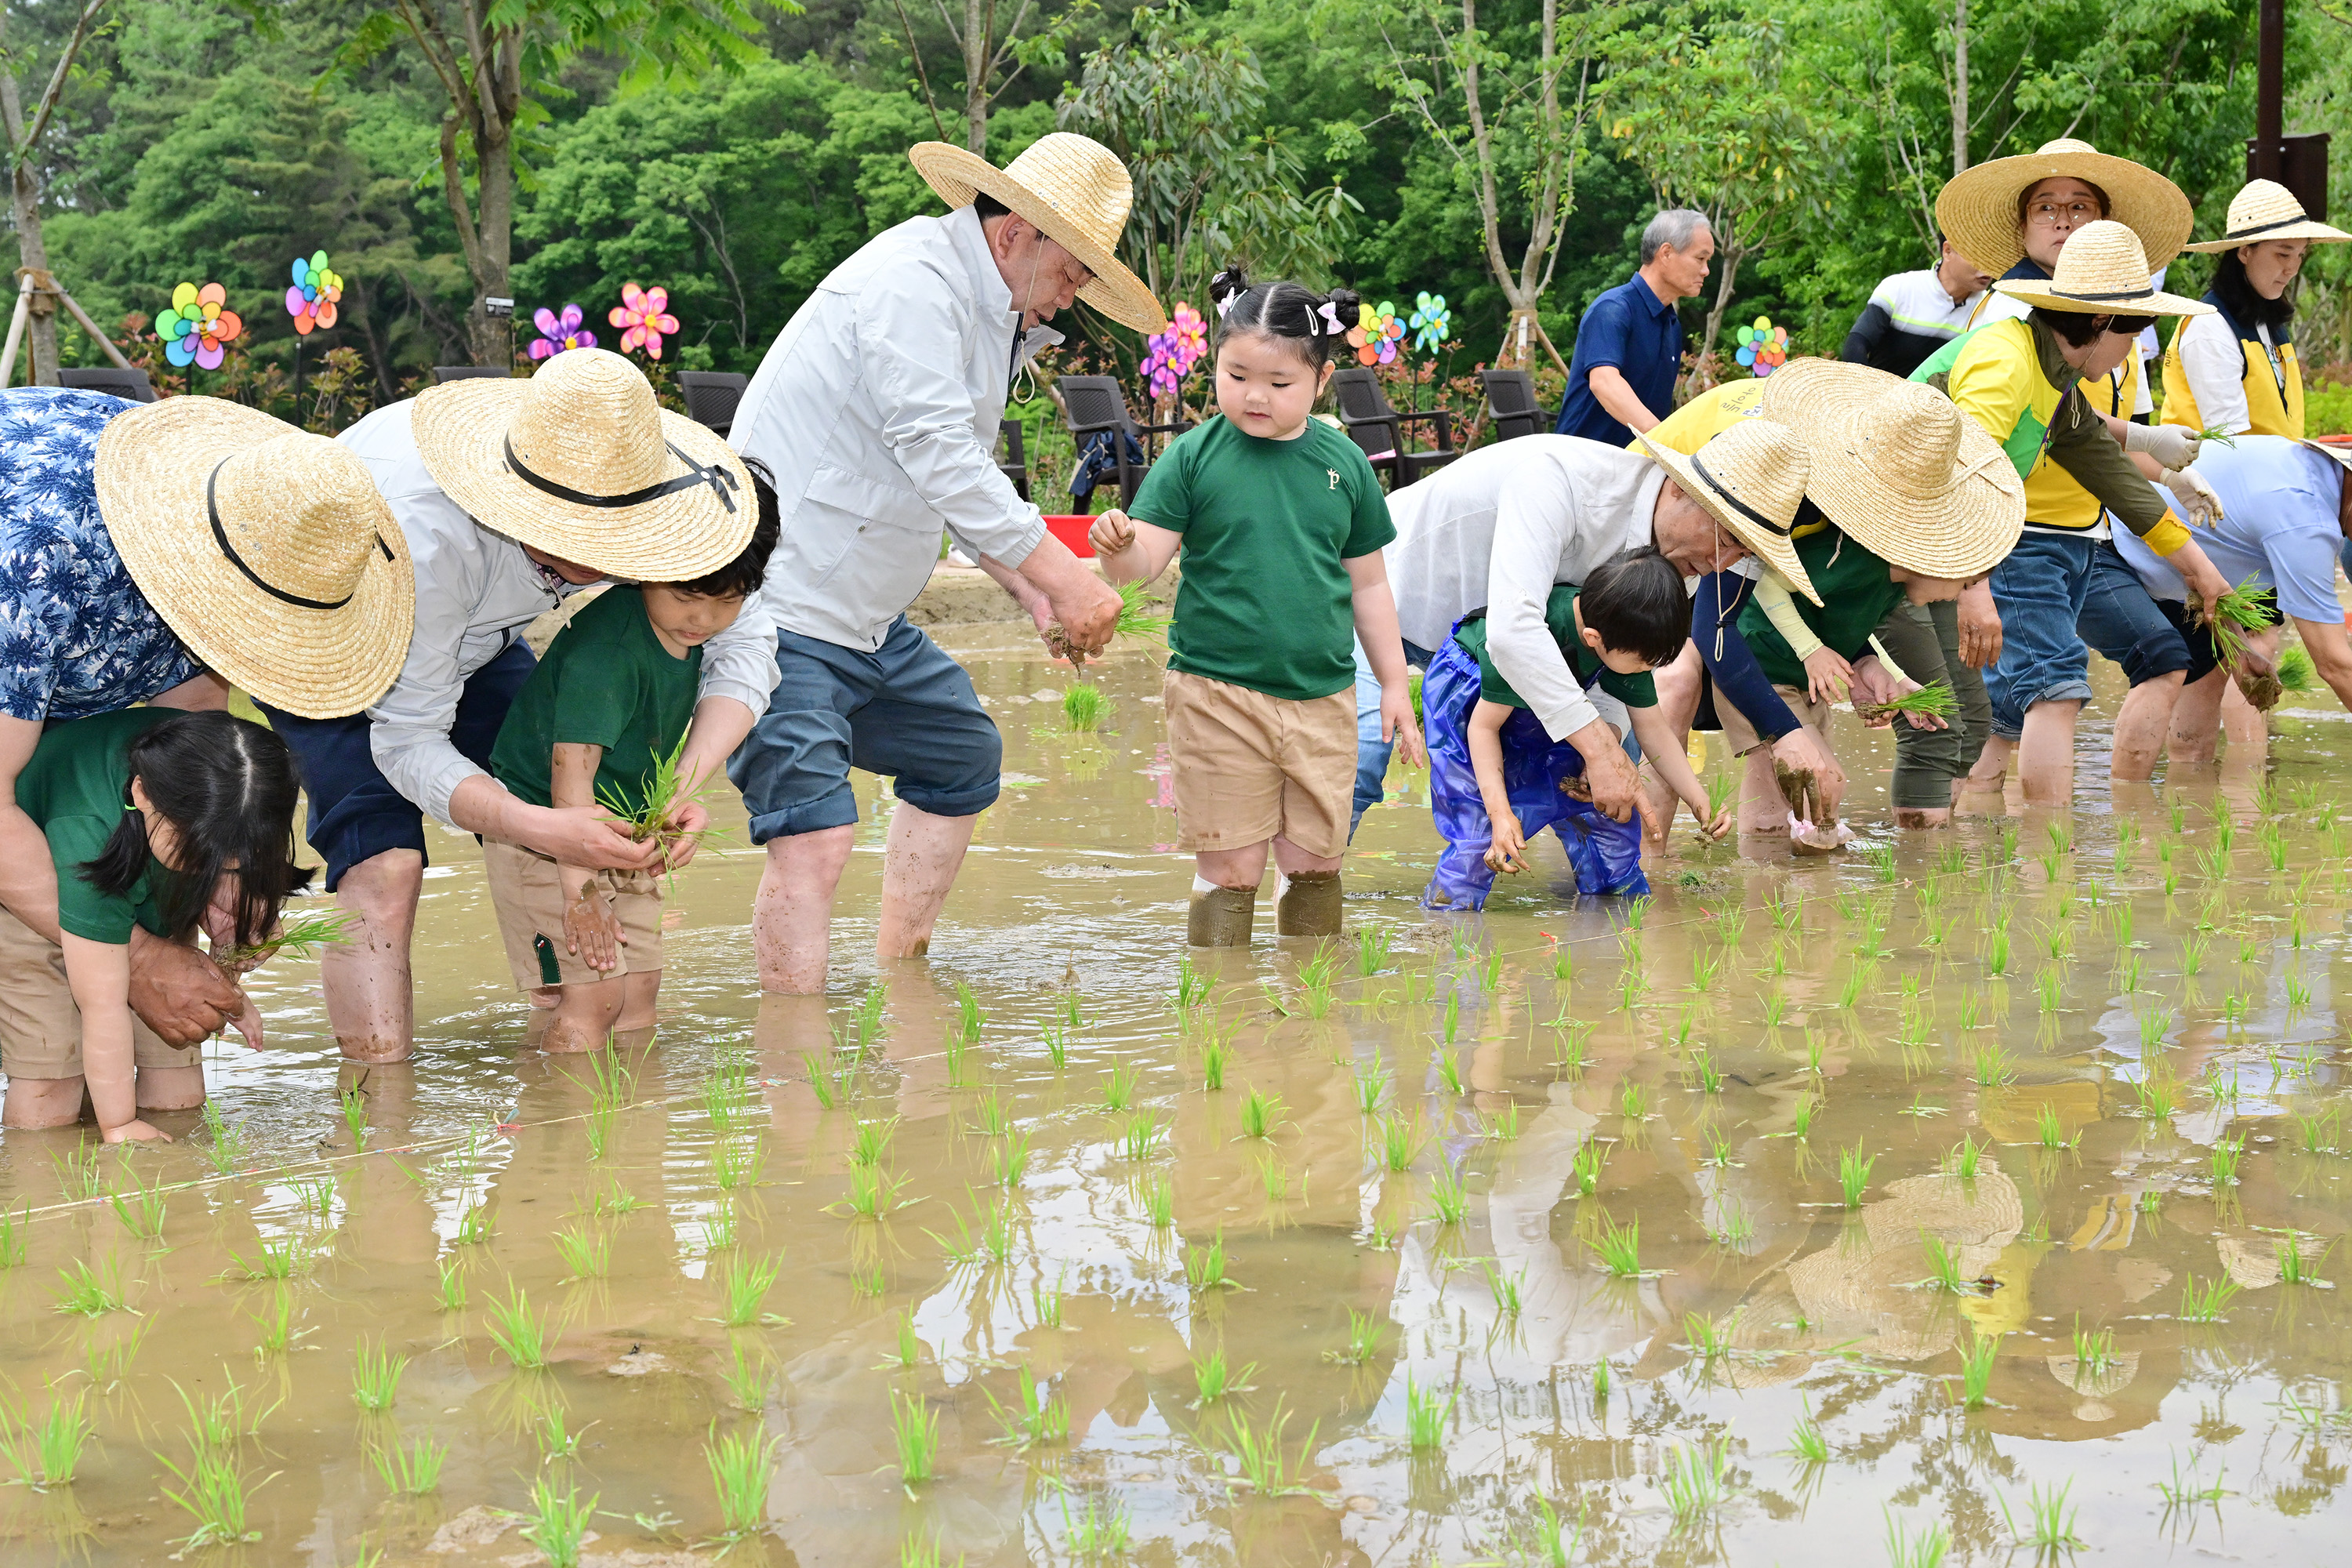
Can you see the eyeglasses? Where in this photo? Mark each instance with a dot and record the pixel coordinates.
(2077, 213)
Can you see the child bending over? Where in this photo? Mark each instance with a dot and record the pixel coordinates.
(601, 714)
(167, 820)
(1282, 522)
(1496, 777)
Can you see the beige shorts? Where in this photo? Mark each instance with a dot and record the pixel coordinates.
(1249, 767)
(529, 897)
(40, 1028)
(1741, 736)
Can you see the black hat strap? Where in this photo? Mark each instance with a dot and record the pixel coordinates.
(220, 537)
(1736, 504)
(717, 475)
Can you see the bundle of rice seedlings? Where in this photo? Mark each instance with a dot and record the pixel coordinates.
(1138, 616)
(1937, 700)
(2215, 433)
(303, 936)
(666, 795)
(2236, 614)
(2295, 670)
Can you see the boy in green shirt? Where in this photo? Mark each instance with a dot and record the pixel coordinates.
(600, 719)
(1495, 776)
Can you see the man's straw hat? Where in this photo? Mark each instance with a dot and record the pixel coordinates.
(1076, 191)
(266, 549)
(2102, 272)
(1978, 209)
(1751, 480)
(581, 462)
(2267, 210)
(1898, 466)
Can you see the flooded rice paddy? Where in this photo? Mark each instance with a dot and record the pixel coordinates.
(1982, 1188)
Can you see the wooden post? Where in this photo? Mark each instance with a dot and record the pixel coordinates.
(2270, 92)
(17, 328)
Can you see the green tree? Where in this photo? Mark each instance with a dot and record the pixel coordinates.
(24, 139)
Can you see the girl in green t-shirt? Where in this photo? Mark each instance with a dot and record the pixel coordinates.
(1281, 521)
(168, 821)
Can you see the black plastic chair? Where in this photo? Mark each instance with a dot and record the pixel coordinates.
(1093, 404)
(712, 397)
(1379, 428)
(1014, 465)
(1511, 405)
(113, 380)
(443, 375)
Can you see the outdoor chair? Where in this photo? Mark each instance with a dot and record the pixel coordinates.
(443, 375)
(1511, 405)
(1014, 465)
(1378, 429)
(113, 380)
(1108, 439)
(712, 397)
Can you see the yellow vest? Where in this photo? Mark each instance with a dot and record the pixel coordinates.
(2273, 398)
(1709, 415)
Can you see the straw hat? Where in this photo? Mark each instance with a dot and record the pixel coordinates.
(266, 549)
(2103, 271)
(1076, 191)
(2267, 210)
(581, 462)
(1898, 466)
(1751, 480)
(1976, 209)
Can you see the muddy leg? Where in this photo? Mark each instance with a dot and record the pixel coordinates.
(2045, 755)
(1224, 896)
(925, 854)
(584, 1016)
(792, 914)
(1309, 904)
(370, 999)
(42, 1103)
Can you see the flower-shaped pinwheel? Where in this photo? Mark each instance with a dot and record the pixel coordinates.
(311, 301)
(1430, 322)
(1763, 347)
(1170, 356)
(557, 333)
(1376, 334)
(643, 316)
(196, 325)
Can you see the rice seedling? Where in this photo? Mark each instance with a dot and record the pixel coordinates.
(452, 1295)
(830, 1089)
(1944, 1272)
(214, 1490)
(1991, 1066)
(915, 1428)
(2298, 994)
(558, 1522)
(1806, 1444)
(1216, 1051)
(1709, 1075)
(2223, 1162)
(1264, 1468)
(1365, 1334)
(1098, 1534)
(556, 1440)
(743, 1286)
(2294, 1269)
(2318, 1132)
(1710, 1339)
(1776, 1007)
(1619, 1248)
(1853, 1175)
(1140, 1135)
(2095, 1349)
(90, 1293)
(1718, 1149)
(1261, 1114)
(473, 1226)
(586, 1251)
(1159, 1202)
(721, 1229)
(46, 1453)
(2048, 990)
(1881, 859)
(375, 1376)
(1084, 708)
(411, 1470)
(2049, 1526)
(1213, 1379)
(872, 1191)
(515, 1330)
(747, 1376)
(740, 1467)
(2183, 1492)
(871, 1143)
(1926, 1550)
(2205, 1303)
(1695, 1481)
(1800, 1116)
(1204, 1266)
(1427, 1415)
(1448, 1197)
(1038, 1418)
(1373, 1085)
(140, 1210)
(737, 1164)
(1506, 1288)
(1634, 1101)
(1401, 1142)
(1997, 952)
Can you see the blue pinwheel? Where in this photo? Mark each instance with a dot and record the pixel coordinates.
(1432, 323)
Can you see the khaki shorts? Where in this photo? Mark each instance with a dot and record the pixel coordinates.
(1741, 736)
(529, 898)
(40, 1028)
(1249, 767)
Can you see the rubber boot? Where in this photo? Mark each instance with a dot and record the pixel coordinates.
(1221, 917)
(1307, 905)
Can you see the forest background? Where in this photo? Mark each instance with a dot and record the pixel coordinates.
(1501, 154)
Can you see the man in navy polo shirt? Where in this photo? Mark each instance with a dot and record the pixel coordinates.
(1629, 346)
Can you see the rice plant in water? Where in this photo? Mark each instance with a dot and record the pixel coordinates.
(744, 1285)
(140, 1210)
(2049, 1526)
(1927, 1549)
(1401, 1142)
(411, 1470)
(586, 1251)
(1159, 1202)
(558, 1522)
(1261, 1114)
(214, 1492)
(1427, 1415)
(2205, 1303)
(375, 1377)
(1213, 1378)
(1853, 1175)
(1365, 1334)
(1140, 1135)
(517, 1331)
(90, 1293)
(1619, 1248)
(740, 1464)
(1204, 1266)
(2224, 1159)
(1806, 1444)
(1695, 1481)
(1084, 708)
(915, 1428)
(1585, 1170)
(1448, 1197)
(47, 1452)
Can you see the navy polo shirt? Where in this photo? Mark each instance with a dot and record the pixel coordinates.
(1631, 328)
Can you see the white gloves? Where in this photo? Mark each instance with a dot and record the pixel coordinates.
(2172, 446)
(2198, 504)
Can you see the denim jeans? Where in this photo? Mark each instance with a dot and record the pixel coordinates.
(1372, 750)
(2040, 590)
(2128, 625)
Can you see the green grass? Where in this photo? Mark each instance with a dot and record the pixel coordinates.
(1505, 1289)
(140, 1210)
(2205, 1303)
(915, 1429)
(523, 1336)
(736, 1164)
(375, 1376)
(1258, 1450)
(1010, 1158)
(741, 1465)
(1806, 1444)
(1991, 1066)
(2048, 1527)
(1119, 1092)
(1217, 1053)
(2095, 1349)
(214, 1490)
(873, 1192)
(1927, 1549)
(2047, 1129)
(2294, 1269)
(1371, 951)
(556, 1440)
(1975, 1369)
(1448, 1197)
(2224, 1159)
(586, 1251)
(1585, 1170)
(1634, 1101)
(1399, 1141)
(1966, 1156)
(1159, 1197)
(411, 1470)
(1140, 1134)
(1695, 1481)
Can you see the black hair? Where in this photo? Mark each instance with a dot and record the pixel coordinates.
(988, 206)
(2081, 329)
(2246, 307)
(740, 577)
(228, 787)
(1290, 311)
(1636, 601)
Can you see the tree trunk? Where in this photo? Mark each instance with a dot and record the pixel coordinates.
(1729, 259)
(32, 249)
(1959, 88)
(979, 21)
(492, 340)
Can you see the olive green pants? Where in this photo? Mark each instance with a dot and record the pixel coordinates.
(1925, 641)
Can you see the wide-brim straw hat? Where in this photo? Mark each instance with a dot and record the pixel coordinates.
(2265, 210)
(1898, 466)
(2337, 447)
(1751, 480)
(2103, 271)
(268, 550)
(1976, 209)
(1075, 192)
(582, 463)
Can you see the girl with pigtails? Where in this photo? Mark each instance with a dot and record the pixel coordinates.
(1281, 522)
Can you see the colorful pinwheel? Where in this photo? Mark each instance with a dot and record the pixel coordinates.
(643, 316)
(1431, 322)
(1170, 356)
(311, 301)
(196, 325)
(1376, 334)
(557, 333)
(1763, 347)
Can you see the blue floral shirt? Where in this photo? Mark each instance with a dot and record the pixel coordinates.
(76, 636)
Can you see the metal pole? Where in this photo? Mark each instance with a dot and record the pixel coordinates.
(17, 330)
(2270, 90)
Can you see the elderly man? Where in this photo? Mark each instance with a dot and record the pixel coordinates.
(1629, 345)
(1912, 314)
(877, 409)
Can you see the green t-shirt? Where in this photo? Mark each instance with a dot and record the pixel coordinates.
(73, 789)
(1268, 527)
(1559, 614)
(606, 681)
(1856, 595)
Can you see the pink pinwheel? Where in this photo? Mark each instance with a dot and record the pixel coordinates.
(197, 324)
(311, 301)
(1375, 336)
(1170, 355)
(645, 314)
(557, 333)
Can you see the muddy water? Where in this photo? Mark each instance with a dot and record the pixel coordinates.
(1551, 1076)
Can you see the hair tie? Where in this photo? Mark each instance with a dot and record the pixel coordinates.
(1225, 306)
(1333, 327)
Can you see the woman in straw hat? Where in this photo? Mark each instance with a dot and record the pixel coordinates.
(163, 554)
(512, 495)
(2019, 380)
(2235, 370)
(878, 410)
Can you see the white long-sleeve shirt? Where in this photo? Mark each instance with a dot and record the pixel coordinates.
(1496, 529)
(876, 409)
(2213, 357)
(475, 590)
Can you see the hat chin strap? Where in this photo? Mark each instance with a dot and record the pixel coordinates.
(220, 537)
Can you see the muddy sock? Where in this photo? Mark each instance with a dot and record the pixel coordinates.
(1307, 905)
(1221, 917)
